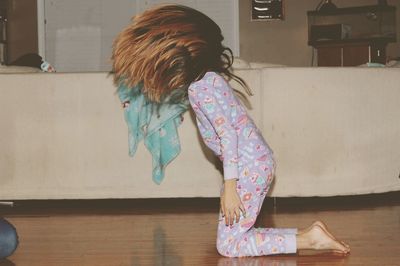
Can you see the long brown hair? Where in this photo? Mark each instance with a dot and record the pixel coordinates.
(168, 47)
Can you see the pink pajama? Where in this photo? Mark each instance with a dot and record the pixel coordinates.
(232, 135)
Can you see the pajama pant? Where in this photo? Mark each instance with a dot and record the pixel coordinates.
(242, 238)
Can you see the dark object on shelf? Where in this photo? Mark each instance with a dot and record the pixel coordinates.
(328, 6)
(352, 36)
(330, 32)
(267, 10)
(382, 2)
(365, 22)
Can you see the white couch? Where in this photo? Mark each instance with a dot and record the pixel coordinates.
(334, 131)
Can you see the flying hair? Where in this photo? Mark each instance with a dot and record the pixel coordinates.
(167, 48)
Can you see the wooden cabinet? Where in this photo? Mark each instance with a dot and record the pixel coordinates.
(18, 22)
(352, 53)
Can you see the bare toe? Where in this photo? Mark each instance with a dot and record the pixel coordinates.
(345, 244)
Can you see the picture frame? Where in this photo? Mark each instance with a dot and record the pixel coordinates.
(267, 10)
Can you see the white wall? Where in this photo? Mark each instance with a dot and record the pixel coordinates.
(334, 131)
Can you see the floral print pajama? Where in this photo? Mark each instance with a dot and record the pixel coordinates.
(232, 135)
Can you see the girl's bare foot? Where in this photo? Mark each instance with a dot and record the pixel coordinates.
(317, 238)
(325, 228)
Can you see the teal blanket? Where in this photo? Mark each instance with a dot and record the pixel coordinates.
(157, 124)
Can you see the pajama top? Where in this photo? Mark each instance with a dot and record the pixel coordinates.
(224, 124)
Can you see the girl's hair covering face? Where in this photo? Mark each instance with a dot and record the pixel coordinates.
(168, 47)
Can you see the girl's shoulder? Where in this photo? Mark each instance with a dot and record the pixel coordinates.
(210, 80)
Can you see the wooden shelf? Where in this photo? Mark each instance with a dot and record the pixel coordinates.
(353, 10)
(343, 42)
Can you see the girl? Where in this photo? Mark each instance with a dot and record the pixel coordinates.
(173, 47)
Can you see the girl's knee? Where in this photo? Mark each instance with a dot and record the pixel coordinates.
(8, 239)
(223, 246)
(224, 250)
(228, 247)
(221, 249)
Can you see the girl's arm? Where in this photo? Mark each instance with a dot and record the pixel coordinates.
(203, 97)
(231, 205)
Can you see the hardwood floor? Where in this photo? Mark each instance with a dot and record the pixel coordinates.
(183, 231)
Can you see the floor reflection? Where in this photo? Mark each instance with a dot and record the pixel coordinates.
(323, 259)
(6, 262)
(256, 262)
(165, 255)
(160, 247)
